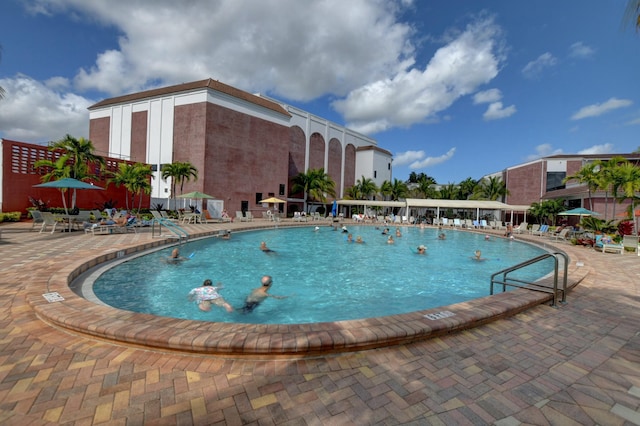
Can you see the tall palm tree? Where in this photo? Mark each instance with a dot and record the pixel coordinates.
(366, 187)
(315, 184)
(608, 180)
(179, 172)
(450, 191)
(467, 187)
(135, 178)
(77, 160)
(491, 189)
(386, 189)
(587, 174)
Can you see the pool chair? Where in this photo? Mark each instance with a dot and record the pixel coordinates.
(457, 223)
(37, 219)
(562, 235)
(544, 229)
(607, 246)
(240, 217)
(48, 219)
(521, 228)
(534, 228)
(483, 224)
(632, 242)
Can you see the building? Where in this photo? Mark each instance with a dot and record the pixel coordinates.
(544, 179)
(245, 147)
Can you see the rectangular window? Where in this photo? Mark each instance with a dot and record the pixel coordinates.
(555, 180)
(375, 174)
(281, 189)
(258, 197)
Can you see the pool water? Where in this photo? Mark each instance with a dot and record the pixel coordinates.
(325, 277)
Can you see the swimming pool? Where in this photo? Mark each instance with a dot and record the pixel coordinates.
(326, 278)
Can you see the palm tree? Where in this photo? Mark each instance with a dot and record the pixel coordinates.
(631, 185)
(315, 184)
(491, 188)
(386, 189)
(135, 179)
(467, 187)
(608, 180)
(75, 161)
(587, 174)
(179, 172)
(399, 190)
(449, 191)
(366, 187)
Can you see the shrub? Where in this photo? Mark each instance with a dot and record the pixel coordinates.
(10, 217)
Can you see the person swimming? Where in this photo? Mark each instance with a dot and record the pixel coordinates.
(477, 255)
(422, 249)
(207, 295)
(264, 248)
(175, 257)
(258, 295)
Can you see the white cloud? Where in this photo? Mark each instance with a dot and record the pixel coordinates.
(35, 112)
(497, 111)
(543, 150)
(534, 68)
(581, 50)
(314, 49)
(606, 148)
(599, 109)
(468, 61)
(487, 96)
(418, 160)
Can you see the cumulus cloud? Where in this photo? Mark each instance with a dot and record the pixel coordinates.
(581, 50)
(496, 109)
(38, 112)
(543, 150)
(314, 49)
(534, 68)
(469, 60)
(599, 109)
(418, 159)
(606, 148)
(546, 150)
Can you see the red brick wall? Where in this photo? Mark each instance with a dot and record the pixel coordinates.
(525, 183)
(349, 166)
(297, 151)
(99, 134)
(139, 136)
(19, 177)
(335, 163)
(316, 151)
(241, 155)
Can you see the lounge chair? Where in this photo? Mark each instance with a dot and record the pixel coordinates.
(521, 228)
(48, 219)
(37, 218)
(544, 229)
(249, 216)
(457, 223)
(100, 229)
(483, 224)
(607, 247)
(562, 235)
(631, 241)
(240, 217)
(534, 228)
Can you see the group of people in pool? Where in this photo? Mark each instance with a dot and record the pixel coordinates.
(207, 295)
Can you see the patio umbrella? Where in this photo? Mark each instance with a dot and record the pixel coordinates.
(67, 183)
(273, 200)
(578, 212)
(195, 195)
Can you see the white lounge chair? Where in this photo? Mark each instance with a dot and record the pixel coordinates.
(521, 228)
(631, 241)
(37, 218)
(48, 219)
(534, 228)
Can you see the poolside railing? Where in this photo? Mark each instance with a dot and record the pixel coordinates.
(502, 277)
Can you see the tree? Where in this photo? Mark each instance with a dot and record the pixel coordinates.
(76, 160)
(632, 13)
(386, 189)
(492, 188)
(608, 179)
(588, 174)
(366, 187)
(450, 191)
(179, 172)
(136, 180)
(547, 210)
(315, 184)
(467, 187)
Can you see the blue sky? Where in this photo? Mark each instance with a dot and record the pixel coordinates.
(453, 89)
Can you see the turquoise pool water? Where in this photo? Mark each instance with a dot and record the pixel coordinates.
(327, 278)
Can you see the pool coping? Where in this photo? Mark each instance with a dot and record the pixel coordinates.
(79, 315)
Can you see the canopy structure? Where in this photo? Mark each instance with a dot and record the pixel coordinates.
(440, 204)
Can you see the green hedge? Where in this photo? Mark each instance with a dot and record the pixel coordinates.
(10, 217)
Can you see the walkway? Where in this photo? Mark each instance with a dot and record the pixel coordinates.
(579, 364)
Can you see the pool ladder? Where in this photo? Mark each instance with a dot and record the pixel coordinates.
(177, 232)
(505, 281)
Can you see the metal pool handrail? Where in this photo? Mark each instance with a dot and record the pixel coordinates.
(535, 286)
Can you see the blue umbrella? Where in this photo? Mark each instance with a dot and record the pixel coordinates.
(334, 209)
(67, 183)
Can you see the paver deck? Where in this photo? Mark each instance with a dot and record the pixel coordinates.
(578, 364)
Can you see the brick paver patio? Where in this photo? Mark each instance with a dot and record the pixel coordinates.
(578, 364)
